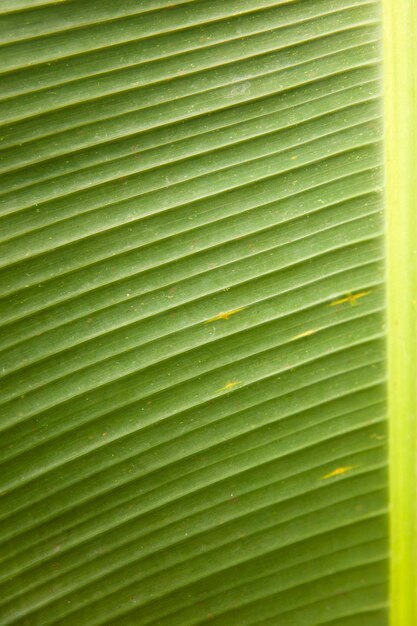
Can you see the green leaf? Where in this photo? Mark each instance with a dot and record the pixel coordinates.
(193, 403)
(400, 77)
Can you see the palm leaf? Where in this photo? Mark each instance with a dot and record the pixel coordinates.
(193, 348)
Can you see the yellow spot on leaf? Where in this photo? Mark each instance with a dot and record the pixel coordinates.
(294, 158)
(338, 471)
(307, 333)
(228, 386)
(352, 298)
(377, 437)
(223, 316)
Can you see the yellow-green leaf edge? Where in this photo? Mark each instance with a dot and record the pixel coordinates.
(400, 77)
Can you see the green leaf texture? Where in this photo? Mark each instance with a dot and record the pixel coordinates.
(192, 338)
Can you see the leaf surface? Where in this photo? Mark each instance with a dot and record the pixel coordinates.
(192, 342)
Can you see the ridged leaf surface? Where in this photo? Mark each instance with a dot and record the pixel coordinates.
(192, 340)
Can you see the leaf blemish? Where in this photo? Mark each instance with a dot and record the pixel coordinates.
(352, 298)
(228, 386)
(338, 472)
(307, 333)
(224, 316)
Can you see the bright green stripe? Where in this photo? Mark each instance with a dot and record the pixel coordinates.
(401, 155)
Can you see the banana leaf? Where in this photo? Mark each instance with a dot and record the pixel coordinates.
(193, 314)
